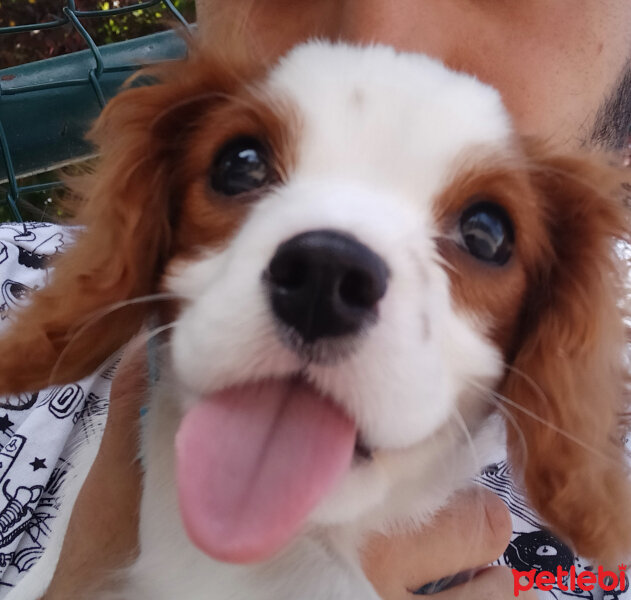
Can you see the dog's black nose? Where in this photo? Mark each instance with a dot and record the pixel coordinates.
(326, 284)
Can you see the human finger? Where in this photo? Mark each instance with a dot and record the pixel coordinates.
(470, 532)
(494, 583)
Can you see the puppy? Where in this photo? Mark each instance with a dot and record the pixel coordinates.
(364, 263)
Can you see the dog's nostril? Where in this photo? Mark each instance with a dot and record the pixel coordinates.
(358, 289)
(325, 284)
(289, 272)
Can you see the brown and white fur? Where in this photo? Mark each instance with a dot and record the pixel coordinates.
(390, 149)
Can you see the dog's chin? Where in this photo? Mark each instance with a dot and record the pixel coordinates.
(386, 487)
(363, 489)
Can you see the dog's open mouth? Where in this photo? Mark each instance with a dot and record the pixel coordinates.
(361, 451)
(254, 460)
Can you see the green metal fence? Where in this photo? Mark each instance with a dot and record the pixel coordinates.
(47, 106)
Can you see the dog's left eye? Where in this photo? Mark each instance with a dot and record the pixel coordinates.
(487, 232)
(241, 165)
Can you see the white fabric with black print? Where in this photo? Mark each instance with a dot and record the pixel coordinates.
(532, 546)
(41, 432)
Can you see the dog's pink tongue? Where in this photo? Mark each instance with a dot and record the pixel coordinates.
(253, 461)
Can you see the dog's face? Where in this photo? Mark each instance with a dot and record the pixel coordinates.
(366, 259)
(335, 281)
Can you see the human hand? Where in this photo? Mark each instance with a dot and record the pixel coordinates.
(471, 532)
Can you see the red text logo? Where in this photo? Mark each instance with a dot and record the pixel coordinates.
(570, 580)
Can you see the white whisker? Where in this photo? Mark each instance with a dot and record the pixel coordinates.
(489, 396)
(97, 315)
(476, 460)
(552, 426)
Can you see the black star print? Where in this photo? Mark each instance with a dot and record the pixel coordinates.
(38, 463)
(5, 423)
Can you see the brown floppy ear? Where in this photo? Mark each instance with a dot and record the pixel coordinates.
(567, 376)
(72, 325)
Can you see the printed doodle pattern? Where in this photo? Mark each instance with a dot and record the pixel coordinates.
(39, 431)
(531, 545)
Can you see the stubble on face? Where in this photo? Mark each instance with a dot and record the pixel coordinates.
(562, 72)
(612, 125)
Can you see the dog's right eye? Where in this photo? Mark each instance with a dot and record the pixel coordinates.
(241, 165)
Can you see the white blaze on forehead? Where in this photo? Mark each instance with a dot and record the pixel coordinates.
(388, 118)
(379, 133)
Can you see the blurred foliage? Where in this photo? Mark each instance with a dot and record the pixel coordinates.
(41, 205)
(19, 48)
(53, 202)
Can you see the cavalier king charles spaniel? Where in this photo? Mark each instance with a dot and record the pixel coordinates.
(366, 268)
